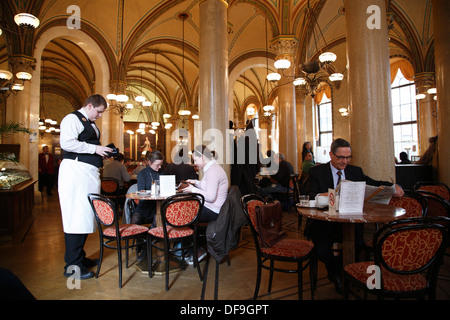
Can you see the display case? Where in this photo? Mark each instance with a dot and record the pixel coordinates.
(12, 174)
(16, 199)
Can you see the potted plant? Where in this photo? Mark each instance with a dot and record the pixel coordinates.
(8, 129)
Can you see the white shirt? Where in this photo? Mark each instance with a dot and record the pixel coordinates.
(71, 127)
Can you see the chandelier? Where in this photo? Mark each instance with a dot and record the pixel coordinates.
(26, 22)
(312, 73)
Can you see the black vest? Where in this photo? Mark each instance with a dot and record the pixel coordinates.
(88, 135)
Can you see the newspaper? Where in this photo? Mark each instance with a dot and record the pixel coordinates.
(382, 194)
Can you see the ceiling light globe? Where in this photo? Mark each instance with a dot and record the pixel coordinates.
(299, 82)
(23, 75)
(26, 20)
(140, 99)
(273, 76)
(336, 77)
(5, 75)
(327, 57)
(282, 64)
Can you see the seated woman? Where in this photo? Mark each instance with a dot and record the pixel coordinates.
(146, 209)
(213, 186)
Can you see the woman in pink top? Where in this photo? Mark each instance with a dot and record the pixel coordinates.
(213, 186)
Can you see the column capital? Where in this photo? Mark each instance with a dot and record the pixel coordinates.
(22, 63)
(284, 45)
(424, 81)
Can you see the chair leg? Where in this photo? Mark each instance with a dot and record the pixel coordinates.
(216, 284)
(100, 258)
(149, 256)
(127, 245)
(300, 280)
(119, 254)
(166, 256)
(258, 281)
(270, 276)
(205, 278)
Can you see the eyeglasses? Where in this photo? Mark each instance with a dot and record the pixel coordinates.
(340, 158)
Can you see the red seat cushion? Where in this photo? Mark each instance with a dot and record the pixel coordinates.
(125, 230)
(172, 232)
(391, 281)
(294, 248)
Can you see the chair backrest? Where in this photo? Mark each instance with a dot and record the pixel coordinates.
(249, 203)
(182, 210)
(294, 185)
(437, 206)
(411, 246)
(414, 203)
(104, 209)
(439, 188)
(109, 186)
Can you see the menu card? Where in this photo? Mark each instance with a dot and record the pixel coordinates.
(351, 196)
(167, 185)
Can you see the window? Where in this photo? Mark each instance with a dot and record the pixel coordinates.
(324, 114)
(404, 115)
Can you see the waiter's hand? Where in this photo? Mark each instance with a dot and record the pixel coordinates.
(102, 151)
(398, 191)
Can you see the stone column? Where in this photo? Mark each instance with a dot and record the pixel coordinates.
(213, 79)
(427, 110)
(300, 107)
(369, 88)
(284, 47)
(19, 110)
(111, 124)
(441, 28)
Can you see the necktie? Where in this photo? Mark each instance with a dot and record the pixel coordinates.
(339, 173)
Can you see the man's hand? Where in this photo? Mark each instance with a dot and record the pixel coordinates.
(398, 191)
(102, 151)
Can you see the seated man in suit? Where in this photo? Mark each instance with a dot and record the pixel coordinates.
(324, 233)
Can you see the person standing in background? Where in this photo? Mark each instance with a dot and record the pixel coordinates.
(45, 167)
(79, 175)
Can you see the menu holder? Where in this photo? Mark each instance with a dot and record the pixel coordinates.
(351, 197)
(167, 185)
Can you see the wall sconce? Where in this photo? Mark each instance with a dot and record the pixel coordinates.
(344, 112)
(431, 91)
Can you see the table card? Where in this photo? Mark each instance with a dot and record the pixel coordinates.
(351, 196)
(332, 201)
(167, 185)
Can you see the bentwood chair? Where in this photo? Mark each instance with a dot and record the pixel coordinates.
(439, 188)
(286, 250)
(179, 217)
(437, 205)
(111, 231)
(408, 255)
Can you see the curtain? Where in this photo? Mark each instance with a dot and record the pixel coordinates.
(405, 67)
(322, 89)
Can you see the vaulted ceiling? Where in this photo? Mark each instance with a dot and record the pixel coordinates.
(148, 45)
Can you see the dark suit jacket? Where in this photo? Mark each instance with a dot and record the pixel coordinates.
(320, 178)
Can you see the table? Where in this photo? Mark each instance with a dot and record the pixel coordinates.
(158, 266)
(372, 213)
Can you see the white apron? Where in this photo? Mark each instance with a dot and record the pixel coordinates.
(75, 181)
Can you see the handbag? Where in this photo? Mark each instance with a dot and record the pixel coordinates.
(269, 218)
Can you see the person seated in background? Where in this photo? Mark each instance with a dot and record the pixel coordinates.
(307, 163)
(181, 168)
(404, 158)
(117, 170)
(146, 209)
(307, 147)
(324, 233)
(141, 165)
(281, 179)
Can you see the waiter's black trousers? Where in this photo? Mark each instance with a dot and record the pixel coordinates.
(74, 249)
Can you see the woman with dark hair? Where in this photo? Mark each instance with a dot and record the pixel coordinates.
(146, 209)
(213, 186)
(307, 147)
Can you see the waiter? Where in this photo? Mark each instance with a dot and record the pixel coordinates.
(45, 165)
(79, 175)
